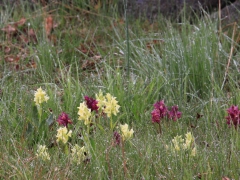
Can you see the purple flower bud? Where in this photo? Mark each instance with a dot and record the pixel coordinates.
(64, 120)
(233, 116)
(155, 116)
(174, 114)
(162, 108)
(117, 138)
(91, 103)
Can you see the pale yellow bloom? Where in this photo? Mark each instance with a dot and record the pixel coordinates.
(78, 154)
(188, 140)
(186, 144)
(126, 134)
(107, 103)
(111, 105)
(40, 96)
(100, 99)
(84, 113)
(177, 142)
(63, 134)
(194, 151)
(42, 153)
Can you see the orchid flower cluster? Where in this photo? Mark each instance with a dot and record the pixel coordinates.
(102, 105)
(63, 135)
(233, 117)
(125, 134)
(42, 153)
(187, 144)
(40, 96)
(106, 104)
(161, 111)
(78, 154)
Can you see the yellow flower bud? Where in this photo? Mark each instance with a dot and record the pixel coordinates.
(126, 133)
(40, 96)
(63, 134)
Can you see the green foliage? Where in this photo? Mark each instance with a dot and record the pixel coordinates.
(182, 64)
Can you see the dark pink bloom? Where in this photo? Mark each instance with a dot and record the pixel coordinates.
(155, 116)
(162, 108)
(117, 138)
(160, 111)
(64, 120)
(233, 116)
(91, 103)
(174, 114)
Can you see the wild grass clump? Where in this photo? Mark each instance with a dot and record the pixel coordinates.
(84, 96)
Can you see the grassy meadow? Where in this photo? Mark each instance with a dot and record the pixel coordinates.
(74, 51)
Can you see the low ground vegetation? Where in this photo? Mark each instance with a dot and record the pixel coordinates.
(86, 94)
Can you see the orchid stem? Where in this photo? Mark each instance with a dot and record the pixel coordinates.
(111, 123)
(124, 160)
(108, 162)
(88, 129)
(160, 129)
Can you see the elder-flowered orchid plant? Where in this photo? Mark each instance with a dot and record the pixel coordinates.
(126, 133)
(84, 113)
(79, 154)
(63, 119)
(63, 135)
(186, 145)
(161, 111)
(40, 96)
(233, 117)
(42, 153)
(102, 105)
